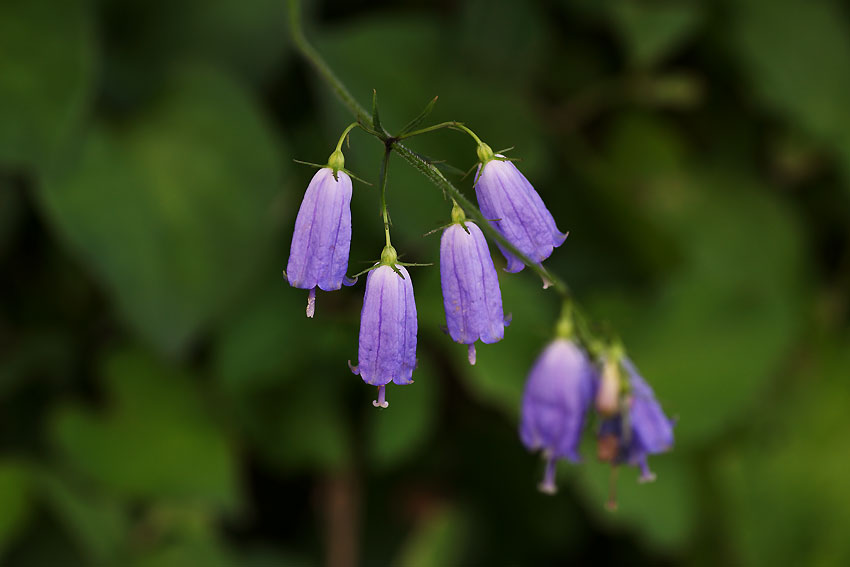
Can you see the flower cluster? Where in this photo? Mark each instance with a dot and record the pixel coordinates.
(562, 387)
(564, 383)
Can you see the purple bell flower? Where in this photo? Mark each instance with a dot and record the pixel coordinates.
(471, 294)
(560, 389)
(387, 350)
(508, 200)
(641, 429)
(322, 237)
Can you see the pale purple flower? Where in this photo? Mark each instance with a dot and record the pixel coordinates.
(387, 350)
(508, 200)
(471, 294)
(641, 429)
(318, 256)
(558, 393)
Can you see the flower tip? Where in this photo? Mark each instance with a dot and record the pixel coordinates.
(547, 488)
(349, 281)
(354, 368)
(311, 303)
(471, 354)
(381, 402)
(646, 478)
(546, 283)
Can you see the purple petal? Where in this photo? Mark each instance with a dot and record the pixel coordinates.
(322, 236)
(557, 395)
(408, 349)
(471, 295)
(505, 196)
(387, 349)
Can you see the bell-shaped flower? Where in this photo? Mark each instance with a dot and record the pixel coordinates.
(639, 430)
(558, 393)
(387, 349)
(318, 256)
(471, 294)
(508, 200)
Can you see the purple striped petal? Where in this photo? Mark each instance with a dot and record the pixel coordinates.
(387, 349)
(650, 430)
(322, 237)
(471, 294)
(507, 198)
(559, 390)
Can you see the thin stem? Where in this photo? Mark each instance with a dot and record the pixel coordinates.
(461, 127)
(345, 132)
(439, 126)
(384, 169)
(324, 70)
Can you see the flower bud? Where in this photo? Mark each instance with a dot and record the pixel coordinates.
(608, 394)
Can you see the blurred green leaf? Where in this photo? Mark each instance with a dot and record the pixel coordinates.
(47, 61)
(400, 432)
(664, 512)
(794, 456)
(437, 541)
(155, 441)
(796, 55)
(97, 523)
(499, 374)
(247, 37)
(172, 211)
(652, 31)
(15, 501)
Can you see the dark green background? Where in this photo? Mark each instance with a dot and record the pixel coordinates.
(164, 401)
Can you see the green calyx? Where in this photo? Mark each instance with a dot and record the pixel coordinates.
(485, 153)
(458, 216)
(337, 161)
(389, 257)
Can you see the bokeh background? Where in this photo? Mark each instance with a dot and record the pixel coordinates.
(164, 401)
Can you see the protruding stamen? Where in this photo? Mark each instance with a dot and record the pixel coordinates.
(471, 354)
(546, 283)
(646, 475)
(311, 303)
(548, 485)
(354, 368)
(611, 504)
(381, 402)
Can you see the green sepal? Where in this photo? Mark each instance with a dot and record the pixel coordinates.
(419, 118)
(376, 119)
(367, 270)
(351, 175)
(414, 264)
(316, 165)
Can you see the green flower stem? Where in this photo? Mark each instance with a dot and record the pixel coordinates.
(384, 213)
(345, 132)
(428, 170)
(440, 126)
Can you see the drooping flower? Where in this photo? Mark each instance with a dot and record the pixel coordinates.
(639, 430)
(508, 200)
(318, 256)
(471, 294)
(558, 393)
(387, 349)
